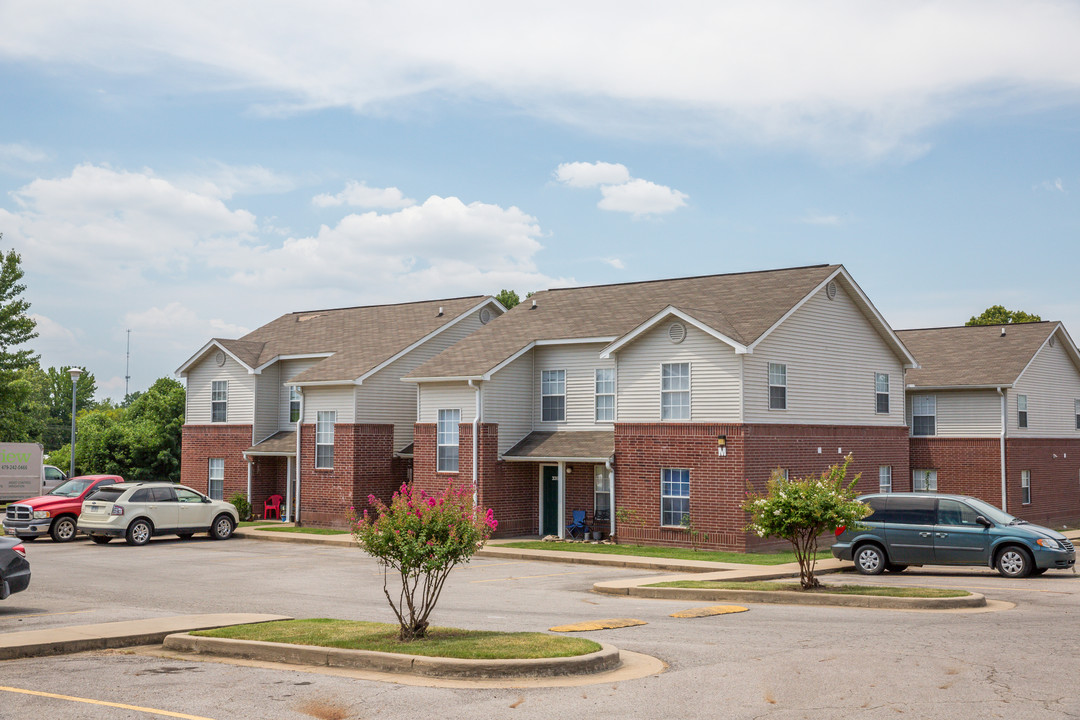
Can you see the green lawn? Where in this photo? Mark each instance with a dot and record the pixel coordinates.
(777, 558)
(877, 590)
(254, 523)
(307, 530)
(382, 637)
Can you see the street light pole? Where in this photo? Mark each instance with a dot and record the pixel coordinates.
(75, 373)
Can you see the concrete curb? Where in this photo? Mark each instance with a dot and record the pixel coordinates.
(607, 658)
(786, 597)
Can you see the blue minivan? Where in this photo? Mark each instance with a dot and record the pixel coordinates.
(930, 529)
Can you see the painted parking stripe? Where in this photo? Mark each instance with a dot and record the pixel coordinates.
(609, 624)
(709, 611)
(88, 701)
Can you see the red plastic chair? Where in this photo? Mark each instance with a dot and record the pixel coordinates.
(272, 505)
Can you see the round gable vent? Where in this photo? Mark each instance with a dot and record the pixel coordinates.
(1051, 341)
(830, 291)
(485, 316)
(219, 358)
(676, 333)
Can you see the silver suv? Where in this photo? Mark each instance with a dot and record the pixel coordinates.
(139, 511)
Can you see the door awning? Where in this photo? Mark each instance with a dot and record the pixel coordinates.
(280, 444)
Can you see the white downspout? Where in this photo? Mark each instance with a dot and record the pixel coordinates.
(476, 446)
(250, 461)
(562, 499)
(1004, 425)
(289, 486)
(611, 503)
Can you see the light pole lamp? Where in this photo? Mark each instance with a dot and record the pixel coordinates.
(75, 373)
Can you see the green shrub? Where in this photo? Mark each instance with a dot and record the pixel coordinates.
(243, 507)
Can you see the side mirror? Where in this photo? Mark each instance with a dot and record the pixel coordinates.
(983, 521)
(206, 499)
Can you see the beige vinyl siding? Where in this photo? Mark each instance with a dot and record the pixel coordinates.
(963, 413)
(288, 369)
(1052, 384)
(714, 376)
(508, 401)
(832, 352)
(339, 398)
(240, 409)
(436, 396)
(267, 397)
(580, 363)
(384, 398)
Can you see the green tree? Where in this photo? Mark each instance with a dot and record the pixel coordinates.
(800, 510)
(998, 315)
(16, 328)
(508, 298)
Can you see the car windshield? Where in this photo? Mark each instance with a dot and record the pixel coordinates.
(72, 488)
(995, 514)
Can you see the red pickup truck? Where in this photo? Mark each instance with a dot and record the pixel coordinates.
(55, 513)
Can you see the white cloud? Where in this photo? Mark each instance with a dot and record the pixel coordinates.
(51, 332)
(815, 218)
(22, 153)
(584, 174)
(358, 194)
(224, 181)
(848, 77)
(615, 263)
(641, 197)
(1055, 185)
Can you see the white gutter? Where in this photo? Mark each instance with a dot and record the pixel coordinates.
(611, 503)
(1004, 420)
(289, 486)
(475, 446)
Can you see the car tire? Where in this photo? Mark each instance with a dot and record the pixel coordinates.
(63, 529)
(185, 536)
(870, 559)
(139, 532)
(101, 539)
(1014, 562)
(893, 568)
(222, 528)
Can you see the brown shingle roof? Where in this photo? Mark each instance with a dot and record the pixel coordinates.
(973, 356)
(280, 443)
(564, 445)
(741, 306)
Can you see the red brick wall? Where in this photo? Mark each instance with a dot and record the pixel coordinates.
(1055, 479)
(199, 443)
(363, 465)
(965, 466)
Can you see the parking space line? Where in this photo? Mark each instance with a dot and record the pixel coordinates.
(530, 577)
(89, 701)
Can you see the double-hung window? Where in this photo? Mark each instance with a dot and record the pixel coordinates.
(294, 404)
(552, 395)
(777, 386)
(1076, 411)
(1025, 487)
(605, 395)
(601, 493)
(324, 438)
(674, 496)
(675, 391)
(924, 480)
(219, 400)
(1021, 411)
(884, 474)
(447, 441)
(881, 393)
(216, 486)
(924, 415)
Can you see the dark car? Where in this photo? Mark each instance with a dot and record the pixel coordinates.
(14, 567)
(929, 529)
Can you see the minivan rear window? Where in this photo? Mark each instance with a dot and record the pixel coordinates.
(911, 510)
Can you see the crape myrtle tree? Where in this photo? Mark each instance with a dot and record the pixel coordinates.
(800, 510)
(422, 538)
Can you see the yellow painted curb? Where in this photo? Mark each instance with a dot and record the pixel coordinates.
(708, 611)
(598, 625)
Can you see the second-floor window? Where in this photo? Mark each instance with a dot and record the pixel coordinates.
(219, 400)
(881, 392)
(605, 395)
(675, 391)
(294, 404)
(324, 438)
(553, 395)
(924, 415)
(1021, 411)
(777, 386)
(447, 441)
(1076, 410)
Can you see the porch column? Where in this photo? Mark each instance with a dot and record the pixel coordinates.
(288, 490)
(611, 499)
(562, 499)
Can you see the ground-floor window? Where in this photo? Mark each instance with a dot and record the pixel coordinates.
(924, 480)
(1025, 487)
(602, 493)
(674, 496)
(885, 478)
(216, 488)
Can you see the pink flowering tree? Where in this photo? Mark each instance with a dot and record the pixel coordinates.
(421, 537)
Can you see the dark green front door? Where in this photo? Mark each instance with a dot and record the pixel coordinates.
(550, 499)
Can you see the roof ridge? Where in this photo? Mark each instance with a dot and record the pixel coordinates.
(381, 305)
(958, 327)
(692, 277)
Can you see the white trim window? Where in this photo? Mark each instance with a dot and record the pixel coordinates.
(219, 401)
(1021, 411)
(780, 474)
(674, 496)
(1025, 487)
(924, 415)
(216, 479)
(924, 480)
(1076, 411)
(552, 395)
(884, 474)
(605, 394)
(601, 492)
(675, 391)
(777, 386)
(447, 441)
(324, 439)
(881, 393)
(294, 404)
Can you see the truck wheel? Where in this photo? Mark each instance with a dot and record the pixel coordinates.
(63, 529)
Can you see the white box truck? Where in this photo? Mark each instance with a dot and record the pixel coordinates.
(22, 474)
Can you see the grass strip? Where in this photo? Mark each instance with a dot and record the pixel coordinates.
(777, 558)
(307, 530)
(382, 637)
(876, 590)
(257, 523)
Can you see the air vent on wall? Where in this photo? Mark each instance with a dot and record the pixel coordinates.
(485, 316)
(219, 358)
(1051, 341)
(830, 291)
(676, 333)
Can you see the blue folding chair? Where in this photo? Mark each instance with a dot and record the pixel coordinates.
(578, 526)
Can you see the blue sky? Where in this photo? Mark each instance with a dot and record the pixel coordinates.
(194, 171)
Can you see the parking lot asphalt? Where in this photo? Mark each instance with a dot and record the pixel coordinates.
(773, 661)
